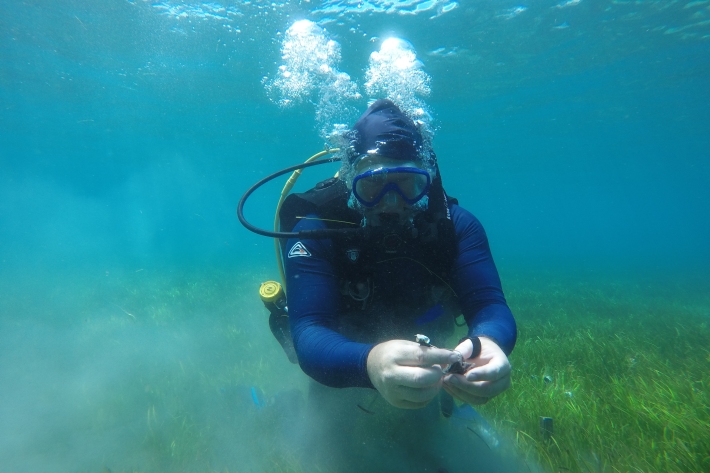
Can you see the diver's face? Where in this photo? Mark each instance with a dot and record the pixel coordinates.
(390, 207)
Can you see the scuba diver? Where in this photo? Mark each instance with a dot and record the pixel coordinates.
(373, 259)
(355, 301)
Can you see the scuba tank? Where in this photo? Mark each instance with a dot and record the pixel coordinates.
(274, 299)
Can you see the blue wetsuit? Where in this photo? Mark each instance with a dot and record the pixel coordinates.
(314, 300)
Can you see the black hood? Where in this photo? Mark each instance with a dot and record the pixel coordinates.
(386, 130)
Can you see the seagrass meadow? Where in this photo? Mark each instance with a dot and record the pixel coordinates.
(623, 368)
(132, 336)
(177, 371)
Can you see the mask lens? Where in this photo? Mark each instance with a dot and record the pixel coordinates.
(369, 187)
(411, 183)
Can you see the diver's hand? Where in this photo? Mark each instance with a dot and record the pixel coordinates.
(407, 374)
(489, 377)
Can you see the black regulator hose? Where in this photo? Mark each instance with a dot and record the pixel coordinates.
(305, 234)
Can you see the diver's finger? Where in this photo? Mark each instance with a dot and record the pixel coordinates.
(407, 404)
(464, 396)
(418, 377)
(417, 355)
(491, 388)
(495, 369)
(465, 348)
(478, 388)
(417, 395)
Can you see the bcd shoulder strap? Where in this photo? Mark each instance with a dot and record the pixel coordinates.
(328, 199)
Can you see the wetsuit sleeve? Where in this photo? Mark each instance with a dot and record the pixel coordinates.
(313, 304)
(477, 284)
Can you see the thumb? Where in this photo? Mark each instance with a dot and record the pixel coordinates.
(465, 348)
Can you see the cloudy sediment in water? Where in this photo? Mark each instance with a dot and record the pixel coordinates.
(131, 332)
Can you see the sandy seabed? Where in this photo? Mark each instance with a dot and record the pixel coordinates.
(176, 370)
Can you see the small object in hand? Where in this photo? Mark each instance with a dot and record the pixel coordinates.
(460, 367)
(423, 340)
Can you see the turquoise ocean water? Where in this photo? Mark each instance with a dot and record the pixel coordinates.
(131, 334)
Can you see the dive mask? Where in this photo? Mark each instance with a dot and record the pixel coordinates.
(411, 183)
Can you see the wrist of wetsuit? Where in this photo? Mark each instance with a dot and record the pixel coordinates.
(475, 341)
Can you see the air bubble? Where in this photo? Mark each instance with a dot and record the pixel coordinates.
(311, 68)
(394, 72)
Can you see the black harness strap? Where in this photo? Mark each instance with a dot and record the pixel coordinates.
(434, 246)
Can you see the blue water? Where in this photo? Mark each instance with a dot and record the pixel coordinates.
(577, 146)
(577, 132)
